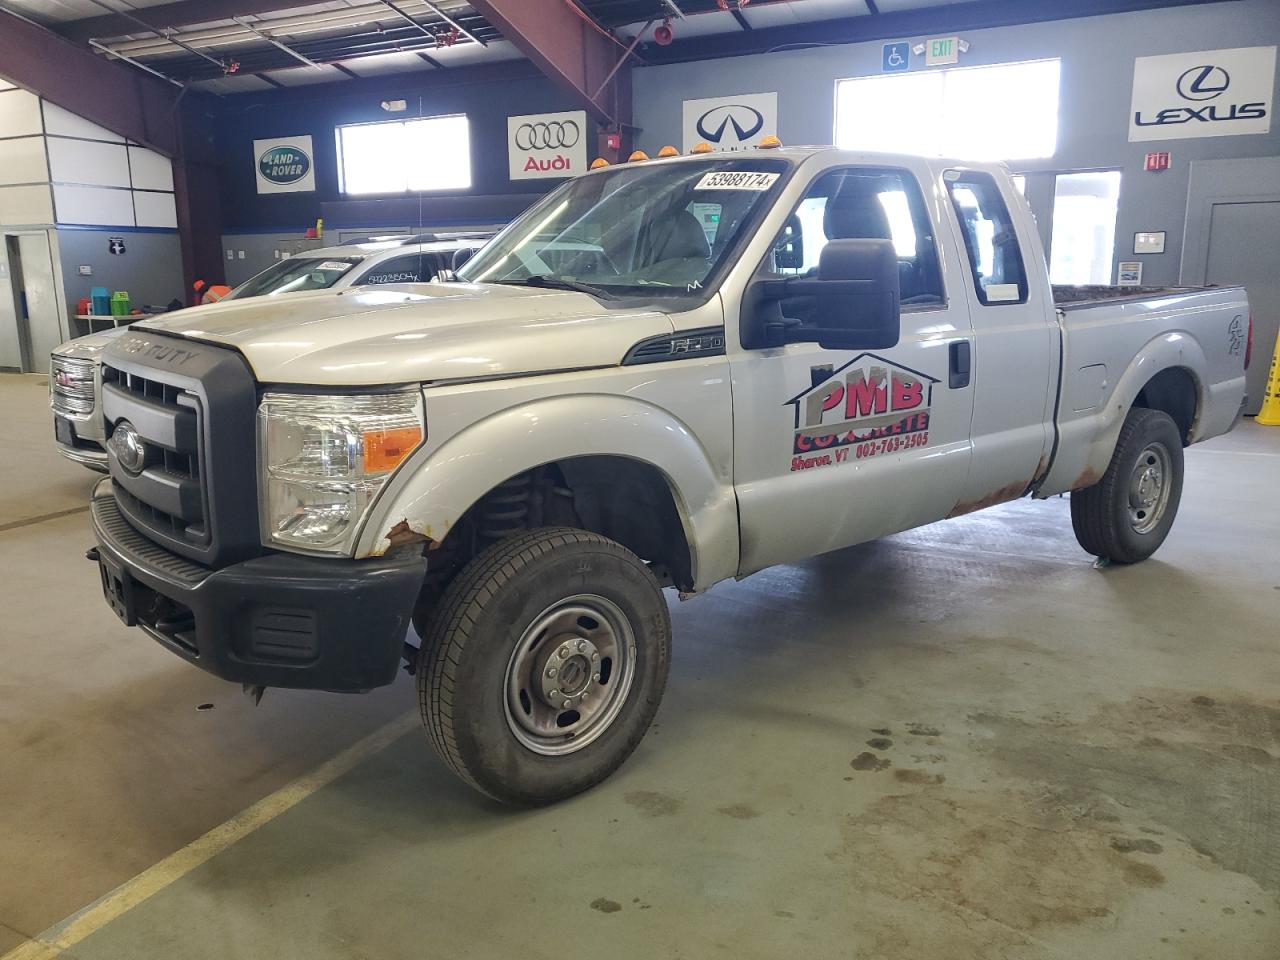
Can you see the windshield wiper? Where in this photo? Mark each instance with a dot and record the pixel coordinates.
(560, 283)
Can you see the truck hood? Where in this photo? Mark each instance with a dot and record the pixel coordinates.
(402, 333)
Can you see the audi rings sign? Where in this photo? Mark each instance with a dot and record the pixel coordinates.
(730, 123)
(543, 145)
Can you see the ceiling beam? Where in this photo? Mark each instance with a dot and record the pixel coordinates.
(178, 14)
(568, 47)
(935, 20)
(124, 100)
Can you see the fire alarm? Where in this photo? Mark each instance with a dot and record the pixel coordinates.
(1155, 162)
(613, 141)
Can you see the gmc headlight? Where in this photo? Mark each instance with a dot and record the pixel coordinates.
(324, 459)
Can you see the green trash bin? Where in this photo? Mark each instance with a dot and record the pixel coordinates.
(120, 303)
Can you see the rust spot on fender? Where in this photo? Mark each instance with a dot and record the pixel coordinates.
(1011, 491)
(401, 534)
(1087, 478)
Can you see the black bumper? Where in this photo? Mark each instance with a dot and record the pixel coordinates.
(277, 621)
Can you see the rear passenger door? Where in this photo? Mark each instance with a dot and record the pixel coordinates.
(1014, 337)
(409, 268)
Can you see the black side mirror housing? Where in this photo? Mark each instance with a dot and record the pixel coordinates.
(854, 303)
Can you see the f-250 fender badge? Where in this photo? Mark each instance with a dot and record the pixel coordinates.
(868, 407)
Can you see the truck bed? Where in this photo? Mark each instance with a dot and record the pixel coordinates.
(1068, 297)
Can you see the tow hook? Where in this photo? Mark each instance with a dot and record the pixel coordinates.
(92, 554)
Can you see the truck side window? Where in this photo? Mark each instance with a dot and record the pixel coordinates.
(864, 202)
(406, 269)
(989, 238)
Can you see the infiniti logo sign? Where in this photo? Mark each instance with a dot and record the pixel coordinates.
(1203, 83)
(745, 122)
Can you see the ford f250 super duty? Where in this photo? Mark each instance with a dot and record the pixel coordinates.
(666, 373)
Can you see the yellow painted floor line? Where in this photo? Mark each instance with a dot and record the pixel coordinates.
(177, 865)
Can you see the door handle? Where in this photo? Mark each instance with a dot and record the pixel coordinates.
(958, 375)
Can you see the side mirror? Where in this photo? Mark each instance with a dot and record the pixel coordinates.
(852, 304)
(461, 256)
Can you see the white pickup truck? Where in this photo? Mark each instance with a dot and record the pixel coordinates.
(665, 374)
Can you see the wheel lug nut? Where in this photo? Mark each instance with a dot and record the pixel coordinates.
(564, 651)
(568, 704)
(551, 671)
(595, 677)
(582, 645)
(595, 656)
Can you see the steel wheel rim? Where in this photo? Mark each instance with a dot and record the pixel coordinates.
(569, 675)
(1149, 487)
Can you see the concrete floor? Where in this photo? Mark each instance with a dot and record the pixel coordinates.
(962, 741)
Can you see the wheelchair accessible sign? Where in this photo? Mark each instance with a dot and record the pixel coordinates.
(895, 57)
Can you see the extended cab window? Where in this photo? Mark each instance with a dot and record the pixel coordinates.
(995, 258)
(864, 203)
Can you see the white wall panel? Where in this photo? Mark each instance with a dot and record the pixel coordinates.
(25, 205)
(22, 161)
(19, 114)
(154, 209)
(66, 124)
(150, 171)
(100, 206)
(80, 161)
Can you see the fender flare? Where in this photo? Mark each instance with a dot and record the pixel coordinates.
(1094, 438)
(436, 486)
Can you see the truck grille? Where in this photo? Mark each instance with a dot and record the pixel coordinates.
(166, 494)
(71, 386)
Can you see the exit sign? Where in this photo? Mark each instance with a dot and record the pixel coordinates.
(941, 50)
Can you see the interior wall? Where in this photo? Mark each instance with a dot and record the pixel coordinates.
(150, 268)
(1097, 56)
(318, 110)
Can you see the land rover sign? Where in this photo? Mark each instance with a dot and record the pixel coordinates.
(284, 165)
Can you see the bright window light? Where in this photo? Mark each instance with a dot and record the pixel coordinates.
(397, 156)
(1003, 112)
(1084, 227)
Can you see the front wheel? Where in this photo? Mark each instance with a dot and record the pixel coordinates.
(543, 664)
(1126, 515)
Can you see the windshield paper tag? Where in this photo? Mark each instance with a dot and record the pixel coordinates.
(338, 265)
(736, 180)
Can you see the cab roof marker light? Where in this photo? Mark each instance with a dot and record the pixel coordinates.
(770, 143)
(637, 156)
(599, 162)
(702, 147)
(668, 151)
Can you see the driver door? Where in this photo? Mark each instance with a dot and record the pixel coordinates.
(836, 447)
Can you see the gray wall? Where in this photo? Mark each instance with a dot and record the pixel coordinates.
(1097, 56)
(150, 268)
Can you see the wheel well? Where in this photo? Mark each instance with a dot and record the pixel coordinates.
(1172, 391)
(623, 499)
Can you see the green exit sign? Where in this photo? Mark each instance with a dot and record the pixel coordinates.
(942, 50)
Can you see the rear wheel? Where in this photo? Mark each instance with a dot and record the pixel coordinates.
(543, 664)
(1126, 515)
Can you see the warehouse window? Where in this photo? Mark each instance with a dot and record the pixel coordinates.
(1003, 112)
(1084, 227)
(399, 156)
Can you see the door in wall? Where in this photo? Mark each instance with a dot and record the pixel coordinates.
(1233, 219)
(1242, 249)
(36, 312)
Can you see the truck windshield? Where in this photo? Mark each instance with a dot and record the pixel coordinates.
(643, 228)
(293, 275)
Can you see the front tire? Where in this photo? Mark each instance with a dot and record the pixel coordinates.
(1126, 515)
(543, 664)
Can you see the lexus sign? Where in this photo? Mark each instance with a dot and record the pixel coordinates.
(541, 145)
(1211, 93)
(730, 123)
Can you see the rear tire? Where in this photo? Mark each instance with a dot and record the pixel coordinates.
(1126, 515)
(543, 664)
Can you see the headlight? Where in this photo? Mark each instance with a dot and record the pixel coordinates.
(324, 459)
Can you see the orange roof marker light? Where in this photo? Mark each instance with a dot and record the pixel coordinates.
(668, 151)
(636, 156)
(770, 143)
(599, 162)
(702, 147)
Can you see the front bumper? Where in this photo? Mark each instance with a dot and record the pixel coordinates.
(279, 620)
(72, 444)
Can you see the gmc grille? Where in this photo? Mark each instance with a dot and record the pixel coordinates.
(71, 386)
